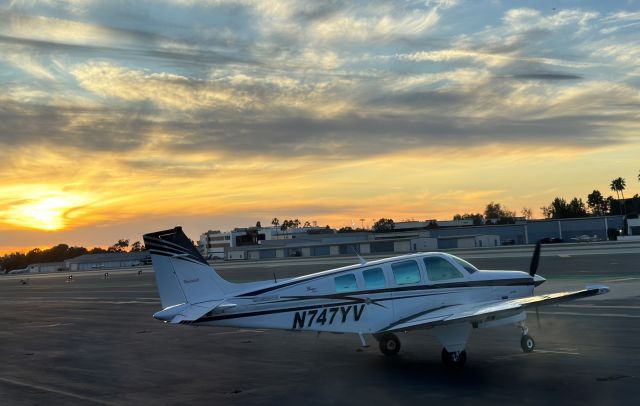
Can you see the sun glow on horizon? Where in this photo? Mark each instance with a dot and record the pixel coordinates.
(46, 213)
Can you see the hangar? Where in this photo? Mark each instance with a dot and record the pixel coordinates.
(107, 261)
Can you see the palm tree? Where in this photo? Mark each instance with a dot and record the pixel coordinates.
(619, 184)
(614, 186)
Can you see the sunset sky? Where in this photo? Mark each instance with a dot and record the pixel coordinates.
(119, 117)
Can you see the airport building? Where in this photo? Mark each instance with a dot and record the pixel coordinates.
(215, 244)
(415, 236)
(46, 267)
(111, 260)
(633, 227)
(532, 231)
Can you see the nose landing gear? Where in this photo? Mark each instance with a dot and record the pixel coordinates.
(527, 342)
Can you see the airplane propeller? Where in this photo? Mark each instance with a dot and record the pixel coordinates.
(535, 260)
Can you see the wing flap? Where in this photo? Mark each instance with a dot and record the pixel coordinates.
(486, 311)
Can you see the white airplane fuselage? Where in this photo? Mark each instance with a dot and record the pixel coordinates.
(312, 303)
(434, 291)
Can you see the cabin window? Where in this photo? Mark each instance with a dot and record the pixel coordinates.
(374, 278)
(439, 269)
(346, 283)
(406, 272)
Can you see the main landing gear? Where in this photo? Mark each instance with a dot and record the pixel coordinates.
(455, 359)
(389, 344)
(527, 342)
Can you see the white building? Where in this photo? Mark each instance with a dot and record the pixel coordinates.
(216, 244)
(633, 227)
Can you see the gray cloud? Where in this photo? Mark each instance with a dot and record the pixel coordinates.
(185, 56)
(261, 113)
(97, 129)
(546, 76)
(422, 99)
(306, 13)
(358, 136)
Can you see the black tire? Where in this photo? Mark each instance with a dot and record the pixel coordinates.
(389, 344)
(527, 343)
(453, 359)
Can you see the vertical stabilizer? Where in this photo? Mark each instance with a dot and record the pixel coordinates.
(182, 274)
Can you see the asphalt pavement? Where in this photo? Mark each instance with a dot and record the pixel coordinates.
(93, 341)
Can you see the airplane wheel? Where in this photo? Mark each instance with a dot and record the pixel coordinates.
(454, 359)
(389, 344)
(527, 343)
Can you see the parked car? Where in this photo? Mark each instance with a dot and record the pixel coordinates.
(508, 242)
(551, 240)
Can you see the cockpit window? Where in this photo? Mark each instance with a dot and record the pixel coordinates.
(439, 269)
(346, 283)
(470, 268)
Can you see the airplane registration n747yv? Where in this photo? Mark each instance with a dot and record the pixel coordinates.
(434, 291)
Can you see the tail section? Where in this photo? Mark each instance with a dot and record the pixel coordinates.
(182, 274)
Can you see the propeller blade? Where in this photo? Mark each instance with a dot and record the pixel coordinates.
(535, 260)
(538, 316)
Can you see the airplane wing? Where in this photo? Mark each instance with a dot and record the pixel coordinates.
(487, 311)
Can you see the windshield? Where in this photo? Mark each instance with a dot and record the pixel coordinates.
(470, 268)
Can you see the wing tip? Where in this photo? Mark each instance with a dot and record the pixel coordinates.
(600, 289)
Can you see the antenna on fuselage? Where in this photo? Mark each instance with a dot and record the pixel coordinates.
(275, 280)
(362, 260)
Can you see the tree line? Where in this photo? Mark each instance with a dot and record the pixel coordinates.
(60, 253)
(287, 224)
(596, 205)
(496, 213)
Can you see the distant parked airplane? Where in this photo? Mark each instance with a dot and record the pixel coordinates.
(586, 238)
(434, 291)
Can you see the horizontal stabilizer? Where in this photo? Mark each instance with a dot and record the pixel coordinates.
(186, 312)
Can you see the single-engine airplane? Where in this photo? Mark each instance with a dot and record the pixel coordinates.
(586, 238)
(435, 291)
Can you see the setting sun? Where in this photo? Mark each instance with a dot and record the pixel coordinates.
(47, 213)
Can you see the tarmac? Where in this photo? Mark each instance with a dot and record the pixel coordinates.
(93, 341)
